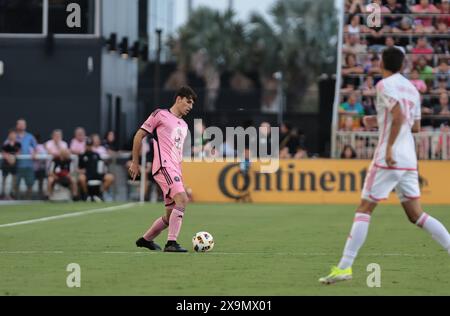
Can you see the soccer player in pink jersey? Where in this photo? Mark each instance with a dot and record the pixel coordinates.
(394, 164)
(169, 130)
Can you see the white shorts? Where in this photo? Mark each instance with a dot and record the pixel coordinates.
(380, 182)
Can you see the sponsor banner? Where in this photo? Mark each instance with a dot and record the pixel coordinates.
(302, 181)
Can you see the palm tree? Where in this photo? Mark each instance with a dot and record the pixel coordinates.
(300, 41)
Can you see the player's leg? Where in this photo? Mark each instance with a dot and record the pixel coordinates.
(176, 220)
(50, 184)
(29, 182)
(108, 180)
(73, 186)
(82, 181)
(358, 233)
(13, 184)
(377, 187)
(160, 224)
(355, 240)
(409, 194)
(4, 177)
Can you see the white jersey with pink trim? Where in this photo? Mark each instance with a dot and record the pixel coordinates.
(169, 133)
(390, 91)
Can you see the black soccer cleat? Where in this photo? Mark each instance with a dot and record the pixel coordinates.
(151, 245)
(173, 246)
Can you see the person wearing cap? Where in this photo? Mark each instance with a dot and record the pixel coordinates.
(88, 169)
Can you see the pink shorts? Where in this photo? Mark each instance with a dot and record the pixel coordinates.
(171, 183)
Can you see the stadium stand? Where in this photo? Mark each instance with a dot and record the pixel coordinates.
(421, 30)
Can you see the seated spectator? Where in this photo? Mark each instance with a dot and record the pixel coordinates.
(348, 152)
(394, 7)
(405, 26)
(354, 6)
(40, 165)
(288, 138)
(10, 149)
(60, 173)
(445, 20)
(424, 24)
(354, 26)
(417, 82)
(349, 71)
(369, 89)
(301, 153)
(443, 108)
(56, 144)
(427, 109)
(441, 27)
(78, 143)
(284, 153)
(110, 142)
(426, 72)
(422, 49)
(352, 106)
(98, 147)
(369, 92)
(442, 86)
(89, 168)
(390, 42)
(442, 72)
(351, 113)
(373, 68)
(348, 123)
(353, 45)
(444, 133)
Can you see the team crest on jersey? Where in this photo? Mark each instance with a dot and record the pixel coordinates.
(178, 138)
(177, 179)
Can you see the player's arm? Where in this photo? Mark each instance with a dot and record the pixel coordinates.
(397, 121)
(134, 169)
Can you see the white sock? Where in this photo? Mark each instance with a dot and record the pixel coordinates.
(436, 229)
(356, 239)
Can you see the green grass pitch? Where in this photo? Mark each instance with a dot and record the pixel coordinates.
(259, 250)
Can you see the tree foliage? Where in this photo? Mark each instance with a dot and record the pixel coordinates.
(300, 40)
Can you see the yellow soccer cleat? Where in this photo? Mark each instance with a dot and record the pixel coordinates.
(337, 275)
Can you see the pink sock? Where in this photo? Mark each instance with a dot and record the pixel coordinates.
(176, 219)
(158, 226)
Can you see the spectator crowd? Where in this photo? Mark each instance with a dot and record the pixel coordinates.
(420, 28)
(71, 165)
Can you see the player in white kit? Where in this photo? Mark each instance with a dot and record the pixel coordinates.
(394, 164)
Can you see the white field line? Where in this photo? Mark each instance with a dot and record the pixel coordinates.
(301, 254)
(68, 215)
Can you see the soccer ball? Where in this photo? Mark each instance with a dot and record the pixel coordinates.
(203, 242)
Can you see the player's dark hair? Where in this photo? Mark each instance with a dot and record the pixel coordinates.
(393, 59)
(186, 92)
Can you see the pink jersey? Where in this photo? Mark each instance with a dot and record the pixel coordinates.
(169, 131)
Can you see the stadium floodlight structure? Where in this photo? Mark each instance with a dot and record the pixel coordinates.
(335, 120)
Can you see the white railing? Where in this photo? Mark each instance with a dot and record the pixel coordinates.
(116, 164)
(429, 145)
